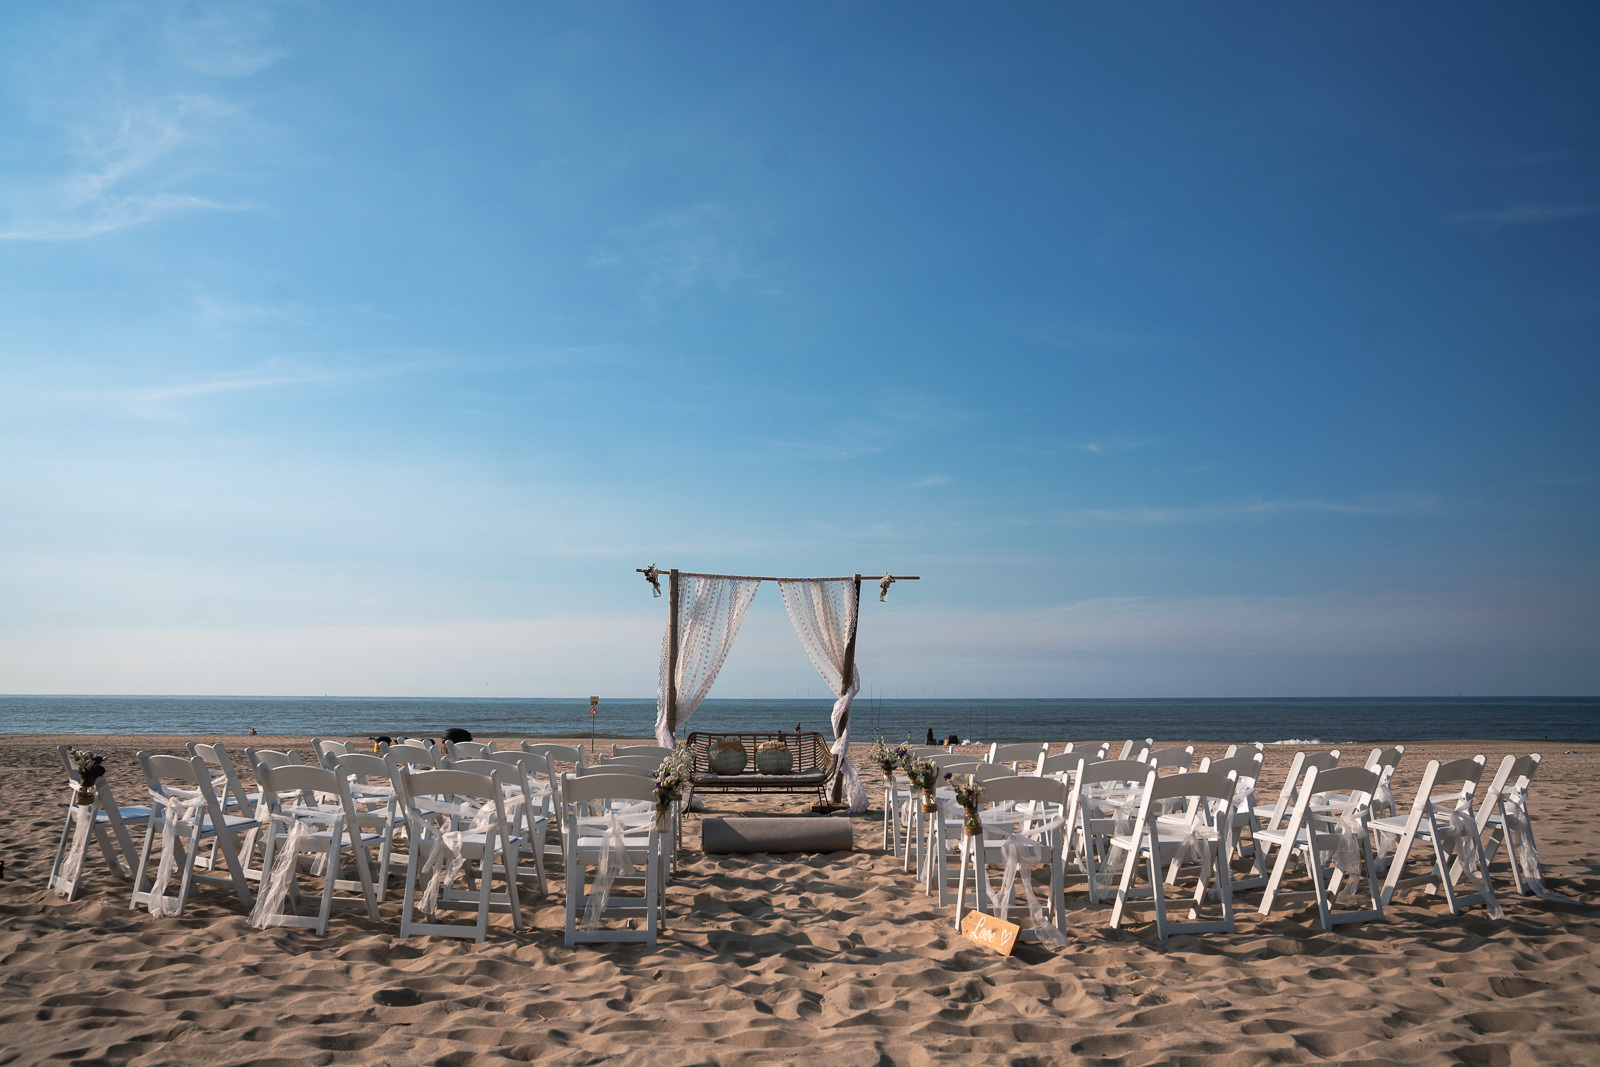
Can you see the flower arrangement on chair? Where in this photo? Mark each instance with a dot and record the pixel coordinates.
(670, 779)
(923, 774)
(89, 767)
(968, 794)
(888, 759)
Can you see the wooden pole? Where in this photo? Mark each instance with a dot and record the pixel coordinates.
(672, 653)
(849, 673)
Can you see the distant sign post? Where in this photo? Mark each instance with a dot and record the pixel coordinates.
(594, 713)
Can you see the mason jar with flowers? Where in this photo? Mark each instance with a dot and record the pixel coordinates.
(968, 794)
(923, 774)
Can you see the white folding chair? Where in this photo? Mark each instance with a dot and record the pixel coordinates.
(1064, 764)
(615, 767)
(412, 758)
(224, 778)
(1328, 832)
(1180, 759)
(327, 751)
(1275, 813)
(648, 761)
(1131, 748)
(942, 831)
(1503, 819)
(105, 823)
(607, 830)
(556, 756)
(1103, 802)
(1203, 837)
(1384, 761)
(1023, 821)
(657, 751)
(1246, 771)
(463, 750)
(576, 755)
(1031, 752)
(378, 810)
(456, 819)
(254, 758)
(308, 811)
(1442, 815)
(186, 813)
(524, 803)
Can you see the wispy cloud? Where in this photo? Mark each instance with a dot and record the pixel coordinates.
(1108, 448)
(933, 481)
(214, 313)
(1523, 214)
(1399, 504)
(1105, 447)
(181, 401)
(124, 177)
(844, 442)
(676, 253)
(224, 40)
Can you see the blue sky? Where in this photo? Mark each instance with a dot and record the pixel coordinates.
(1182, 349)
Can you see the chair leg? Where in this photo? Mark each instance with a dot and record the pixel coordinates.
(330, 878)
(508, 861)
(1156, 892)
(144, 863)
(1128, 868)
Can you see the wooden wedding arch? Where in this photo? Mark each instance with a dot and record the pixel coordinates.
(673, 575)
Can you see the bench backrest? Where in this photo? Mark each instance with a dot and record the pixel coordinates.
(809, 751)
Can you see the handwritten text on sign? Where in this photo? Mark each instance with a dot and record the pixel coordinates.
(990, 932)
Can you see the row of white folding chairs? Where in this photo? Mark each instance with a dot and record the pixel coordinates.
(452, 817)
(1330, 830)
(1156, 821)
(897, 813)
(1318, 816)
(208, 790)
(1027, 821)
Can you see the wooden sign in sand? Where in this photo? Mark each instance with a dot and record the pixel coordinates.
(990, 932)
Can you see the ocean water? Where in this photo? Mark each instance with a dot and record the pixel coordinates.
(1327, 721)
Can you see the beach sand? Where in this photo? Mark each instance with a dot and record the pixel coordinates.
(772, 958)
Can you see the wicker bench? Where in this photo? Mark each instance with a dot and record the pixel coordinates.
(812, 764)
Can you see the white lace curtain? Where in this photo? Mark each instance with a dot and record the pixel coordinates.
(824, 615)
(710, 611)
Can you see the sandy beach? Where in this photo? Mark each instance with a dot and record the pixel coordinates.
(767, 958)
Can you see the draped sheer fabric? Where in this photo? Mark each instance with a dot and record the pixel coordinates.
(1024, 846)
(174, 809)
(824, 616)
(710, 611)
(72, 863)
(269, 901)
(1464, 828)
